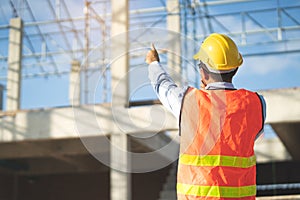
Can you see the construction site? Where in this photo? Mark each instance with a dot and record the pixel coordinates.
(80, 120)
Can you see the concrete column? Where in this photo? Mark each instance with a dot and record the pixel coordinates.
(75, 80)
(174, 39)
(14, 65)
(120, 182)
(120, 46)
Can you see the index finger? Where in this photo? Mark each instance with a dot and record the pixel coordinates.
(153, 47)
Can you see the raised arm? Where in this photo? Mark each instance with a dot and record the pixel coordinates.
(165, 88)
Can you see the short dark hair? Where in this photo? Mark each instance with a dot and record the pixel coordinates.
(226, 77)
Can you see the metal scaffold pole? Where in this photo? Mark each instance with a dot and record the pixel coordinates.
(86, 52)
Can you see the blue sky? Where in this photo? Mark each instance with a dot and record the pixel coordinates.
(269, 72)
(257, 72)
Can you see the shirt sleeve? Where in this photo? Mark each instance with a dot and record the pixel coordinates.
(165, 88)
(263, 103)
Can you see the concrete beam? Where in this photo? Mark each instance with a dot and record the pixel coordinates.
(282, 105)
(58, 123)
(83, 121)
(103, 119)
(14, 64)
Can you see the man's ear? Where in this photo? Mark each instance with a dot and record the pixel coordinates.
(204, 74)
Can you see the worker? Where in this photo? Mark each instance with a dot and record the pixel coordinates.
(218, 124)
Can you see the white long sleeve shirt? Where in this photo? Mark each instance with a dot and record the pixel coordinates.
(171, 95)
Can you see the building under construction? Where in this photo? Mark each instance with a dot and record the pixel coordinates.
(79, 118)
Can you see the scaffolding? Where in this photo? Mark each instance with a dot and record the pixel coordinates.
(56, 32)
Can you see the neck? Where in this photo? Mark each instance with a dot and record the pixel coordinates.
(217, 80)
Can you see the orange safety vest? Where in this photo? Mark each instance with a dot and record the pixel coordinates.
(218, 129)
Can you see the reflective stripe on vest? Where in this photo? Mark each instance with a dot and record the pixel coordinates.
(217, 160)
(216, 191)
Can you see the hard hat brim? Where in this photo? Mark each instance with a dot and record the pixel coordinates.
(199, 56)
(196, 56)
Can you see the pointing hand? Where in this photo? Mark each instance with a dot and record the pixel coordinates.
(152, 55)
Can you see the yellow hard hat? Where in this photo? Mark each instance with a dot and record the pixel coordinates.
(220, 53)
